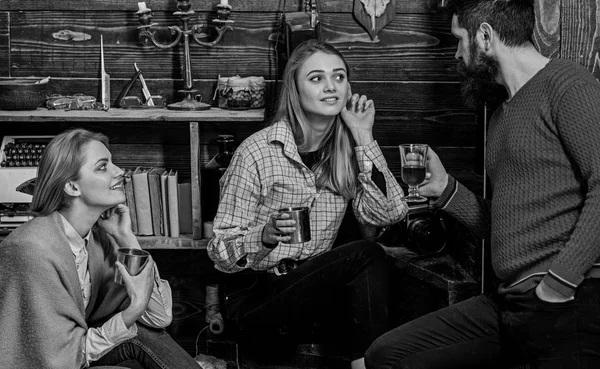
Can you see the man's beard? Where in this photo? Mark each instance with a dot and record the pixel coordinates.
(480, 79)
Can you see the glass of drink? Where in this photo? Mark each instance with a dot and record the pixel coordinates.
(414, 166)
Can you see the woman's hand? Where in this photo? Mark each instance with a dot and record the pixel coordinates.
(437, 178)
(276, 229)
(139, 288)
(116, 222)
(359, 116)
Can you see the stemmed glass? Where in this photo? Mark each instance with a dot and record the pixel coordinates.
(414, 167)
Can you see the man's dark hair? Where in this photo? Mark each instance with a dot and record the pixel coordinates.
(513, 20)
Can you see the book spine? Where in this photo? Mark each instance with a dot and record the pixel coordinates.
(164, 206)
(155, 201)
(173, 203)
(142, 204)
(185, 207)
(130, 197)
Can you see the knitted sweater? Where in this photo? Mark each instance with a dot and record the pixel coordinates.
(543, 163)
(42, 321)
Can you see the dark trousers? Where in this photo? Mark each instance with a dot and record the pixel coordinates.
(496, 332)
(348, 283)
(150, 349)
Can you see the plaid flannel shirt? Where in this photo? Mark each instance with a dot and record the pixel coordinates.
(266, 174)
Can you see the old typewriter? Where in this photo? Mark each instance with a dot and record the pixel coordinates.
(19, 158)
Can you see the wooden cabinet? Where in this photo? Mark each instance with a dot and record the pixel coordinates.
(143, 120)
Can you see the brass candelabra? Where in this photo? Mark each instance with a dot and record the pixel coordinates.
(192, 100)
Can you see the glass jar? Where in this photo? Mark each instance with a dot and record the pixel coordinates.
(257, 92)
(221, 91)
(238, 94)
(226, 148)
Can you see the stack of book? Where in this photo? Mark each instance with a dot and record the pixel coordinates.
(158, 204)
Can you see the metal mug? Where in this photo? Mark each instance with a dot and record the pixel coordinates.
(301, 216)
(133, 259)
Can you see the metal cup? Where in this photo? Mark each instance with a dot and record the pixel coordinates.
(133, 259)
(301, 216)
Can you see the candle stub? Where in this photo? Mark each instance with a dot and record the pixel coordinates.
(208, 230)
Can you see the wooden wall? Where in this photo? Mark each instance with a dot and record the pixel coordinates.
(409, 71)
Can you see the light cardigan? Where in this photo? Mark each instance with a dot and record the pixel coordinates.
(43, 322)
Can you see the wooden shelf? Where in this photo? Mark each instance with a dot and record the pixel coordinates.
(131, 115)
(143, 117)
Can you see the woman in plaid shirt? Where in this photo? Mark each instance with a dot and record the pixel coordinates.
(319, 152)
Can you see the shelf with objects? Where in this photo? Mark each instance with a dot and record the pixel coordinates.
(142, 118)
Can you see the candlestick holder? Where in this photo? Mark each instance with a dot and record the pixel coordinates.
(192, 100)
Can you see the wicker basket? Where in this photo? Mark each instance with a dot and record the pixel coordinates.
(22, 94)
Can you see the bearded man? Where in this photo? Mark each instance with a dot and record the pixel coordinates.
(480, 79)
(543, 218)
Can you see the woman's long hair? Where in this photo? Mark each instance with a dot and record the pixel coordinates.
(337, 168)
(60, 163)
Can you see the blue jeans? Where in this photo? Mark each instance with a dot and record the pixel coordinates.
(496, 332)
(348, 285)
(150, 349)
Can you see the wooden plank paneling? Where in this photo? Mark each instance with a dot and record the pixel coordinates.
(417, 47)
(4, 44)
(547, 29)
(580, 38)
(446, 128)
(416, 96)
(35, 48)
(577, 29)
(412, 47)
(344, 6)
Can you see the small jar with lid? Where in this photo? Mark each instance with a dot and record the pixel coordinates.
(222, 90)
(238, 94)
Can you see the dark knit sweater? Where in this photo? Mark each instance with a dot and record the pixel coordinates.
(543, 163)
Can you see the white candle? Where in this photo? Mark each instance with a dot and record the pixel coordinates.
(208, 230)
(224, 2)
(142, 6)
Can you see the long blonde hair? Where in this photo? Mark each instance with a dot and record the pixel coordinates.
(60, 163)
(337, 168)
